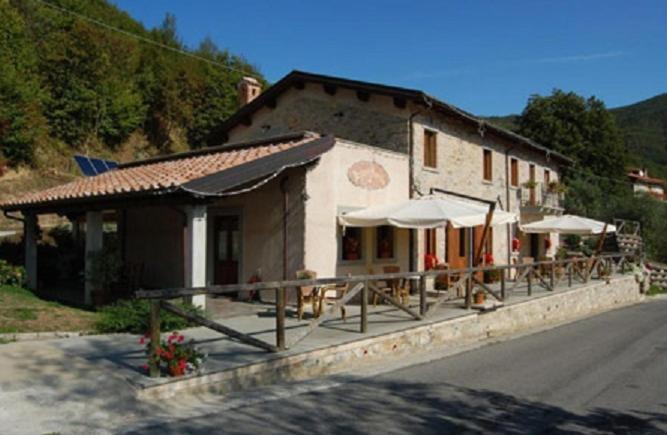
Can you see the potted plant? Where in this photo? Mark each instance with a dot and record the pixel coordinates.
(491, 276)
(557, 187)
(479, 297)
(530, 184)
(174, 355)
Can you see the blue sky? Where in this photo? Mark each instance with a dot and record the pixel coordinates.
(483, 56)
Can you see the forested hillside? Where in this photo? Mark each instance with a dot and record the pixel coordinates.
(644, 129)
(68, 85)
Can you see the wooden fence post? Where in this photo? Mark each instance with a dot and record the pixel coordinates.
(570, 266)
(422, 295)
(529, 279)
(154, 335)
(364, 308)
(502, 284)
(468, 291)
(280, 318)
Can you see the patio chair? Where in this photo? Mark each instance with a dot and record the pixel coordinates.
(382, 285)
(399, 287)
(331, 294)
(306, 294)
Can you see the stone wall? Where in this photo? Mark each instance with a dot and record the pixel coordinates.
(530, 315)
(378, 122)
(375, 122)
(460, 169)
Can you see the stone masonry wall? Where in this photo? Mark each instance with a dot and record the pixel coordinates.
(376, 122)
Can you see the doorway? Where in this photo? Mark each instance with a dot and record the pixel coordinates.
(227, 249)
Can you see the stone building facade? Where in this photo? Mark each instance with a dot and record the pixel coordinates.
(376, 116)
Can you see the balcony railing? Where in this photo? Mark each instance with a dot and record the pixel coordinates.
(540, 196)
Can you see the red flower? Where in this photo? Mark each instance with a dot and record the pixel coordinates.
(181, 338)
(142, 340)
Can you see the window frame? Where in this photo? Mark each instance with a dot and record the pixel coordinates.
(362, 243)
(376, 257)
(430, 149)
(514, 172)
(487, 164)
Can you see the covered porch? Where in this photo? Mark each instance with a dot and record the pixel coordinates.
(216, 216)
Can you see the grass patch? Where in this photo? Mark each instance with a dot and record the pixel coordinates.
(133, 316)
(22, 311)
(656, 290)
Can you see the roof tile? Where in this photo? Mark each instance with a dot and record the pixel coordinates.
(158, 174)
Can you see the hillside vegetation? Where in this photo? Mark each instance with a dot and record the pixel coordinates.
(71, 86)
(644, 129)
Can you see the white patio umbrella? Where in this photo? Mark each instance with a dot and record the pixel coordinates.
(425, 212)
(569, 224)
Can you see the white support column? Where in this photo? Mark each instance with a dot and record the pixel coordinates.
(195, 250)
(30, 231)
(94, 239)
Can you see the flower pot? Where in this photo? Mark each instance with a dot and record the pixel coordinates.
(479, 298)
(175, 370)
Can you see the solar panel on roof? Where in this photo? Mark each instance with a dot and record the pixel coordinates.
(91, 166)
(86, 167)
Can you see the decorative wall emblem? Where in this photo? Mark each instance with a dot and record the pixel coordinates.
(368, 175)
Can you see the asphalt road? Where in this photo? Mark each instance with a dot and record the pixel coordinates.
(605, 374)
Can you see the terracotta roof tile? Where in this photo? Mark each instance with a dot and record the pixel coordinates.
(161, 173)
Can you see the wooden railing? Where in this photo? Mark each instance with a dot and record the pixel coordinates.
(546, 274)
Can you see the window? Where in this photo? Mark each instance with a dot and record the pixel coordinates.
(430, 149)
(488, 166)
(547, 177)
(384, 242)
(514, 172)
(462, 242)
(430, 242)
(351, 244)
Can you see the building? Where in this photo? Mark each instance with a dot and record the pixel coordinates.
(265, 203)
(642, 183)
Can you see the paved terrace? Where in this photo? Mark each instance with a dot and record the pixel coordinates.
(125, 357)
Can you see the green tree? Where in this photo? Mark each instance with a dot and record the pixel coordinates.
(580, 128)
(20, 93)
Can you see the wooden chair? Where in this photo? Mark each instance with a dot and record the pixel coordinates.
(306, 294)
(399, 288)
(331, 294)
(381, 285)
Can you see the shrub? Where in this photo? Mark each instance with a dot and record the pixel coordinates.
(11, 275)
(655, 290)
(133, 316)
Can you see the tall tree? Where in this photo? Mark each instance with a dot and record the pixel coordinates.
(580, 128)
(20, 93)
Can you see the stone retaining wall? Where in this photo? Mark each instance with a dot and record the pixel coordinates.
(554, 308)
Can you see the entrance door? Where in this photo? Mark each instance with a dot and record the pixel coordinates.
(535, 246)
(227, 249)
(457, 247)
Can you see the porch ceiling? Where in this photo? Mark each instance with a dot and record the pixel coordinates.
(198, 173)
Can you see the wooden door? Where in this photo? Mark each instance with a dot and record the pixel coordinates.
(457, 247)
(227, 249)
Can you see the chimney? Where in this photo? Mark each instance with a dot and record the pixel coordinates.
(248, 89)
